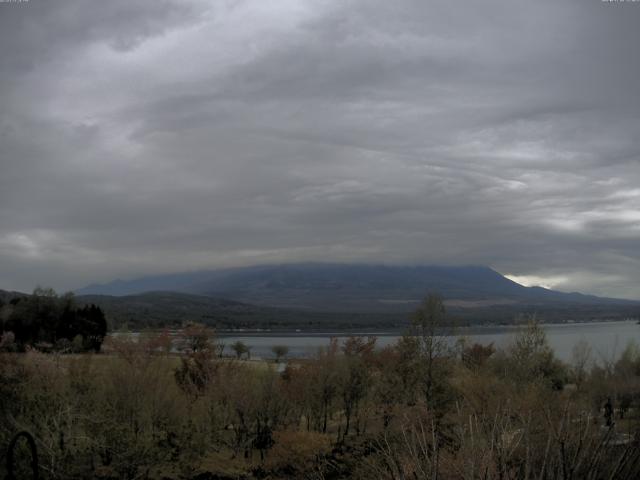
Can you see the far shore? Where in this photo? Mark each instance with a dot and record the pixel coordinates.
(374, 331)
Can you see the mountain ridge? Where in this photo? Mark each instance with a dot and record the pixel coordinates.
(349, 287)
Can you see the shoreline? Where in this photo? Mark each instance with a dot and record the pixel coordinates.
(379, 332)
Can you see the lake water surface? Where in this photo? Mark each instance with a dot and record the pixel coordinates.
(607, 339)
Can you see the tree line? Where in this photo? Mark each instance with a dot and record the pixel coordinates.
(50, 322)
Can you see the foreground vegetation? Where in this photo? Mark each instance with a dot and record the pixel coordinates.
(421, 409)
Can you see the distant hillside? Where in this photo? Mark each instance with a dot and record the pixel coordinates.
(6, 296)
(173, 310)
(354, 288)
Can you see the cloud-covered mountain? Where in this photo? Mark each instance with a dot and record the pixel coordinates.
(361, 288)
(158, 135)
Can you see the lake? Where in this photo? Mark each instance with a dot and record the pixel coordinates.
(607, 339)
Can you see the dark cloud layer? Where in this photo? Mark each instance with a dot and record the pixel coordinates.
(145, 137)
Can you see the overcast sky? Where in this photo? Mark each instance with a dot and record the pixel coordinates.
(172, 135)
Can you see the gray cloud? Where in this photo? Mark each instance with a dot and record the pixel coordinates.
(145, 137)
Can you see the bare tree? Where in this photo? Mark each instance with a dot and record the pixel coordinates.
(580, 360)
(240, 349)
(429, 320)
